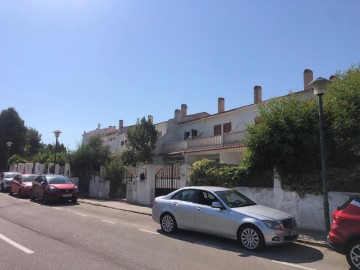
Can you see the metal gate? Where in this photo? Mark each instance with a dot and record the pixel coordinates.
(167, 180)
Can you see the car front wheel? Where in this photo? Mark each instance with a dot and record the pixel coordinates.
(251, 238)
(353, 254)
(168, 223)
(2, 188)
(10, 191)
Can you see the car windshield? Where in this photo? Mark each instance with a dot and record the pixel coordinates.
(28, 178)
(58, 180)
(10, 175)
(233, 198)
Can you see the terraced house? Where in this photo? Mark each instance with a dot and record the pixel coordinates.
(186, 138)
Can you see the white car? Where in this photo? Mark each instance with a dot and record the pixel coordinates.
(224, 212)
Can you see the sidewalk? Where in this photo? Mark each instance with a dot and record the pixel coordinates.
(306, 236)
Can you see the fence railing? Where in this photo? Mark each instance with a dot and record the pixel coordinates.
(219, 140)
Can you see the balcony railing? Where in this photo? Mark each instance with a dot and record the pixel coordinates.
(219, 140)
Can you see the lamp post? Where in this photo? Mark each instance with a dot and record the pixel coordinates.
(319, 86)
(8, 144)
(57, 134)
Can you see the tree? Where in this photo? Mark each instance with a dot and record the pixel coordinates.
(12, 129)
(342, 101)
(88, 159)
(114, 172)
(141, 141)
(285, 137)
(33, 142)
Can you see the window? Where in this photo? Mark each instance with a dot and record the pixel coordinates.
(217, 130)
(186, 135)
(227, 127)
(187, 195)
(122, 143)
(194, 133)
(206, 198)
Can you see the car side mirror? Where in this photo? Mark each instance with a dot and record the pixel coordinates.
(217, 205)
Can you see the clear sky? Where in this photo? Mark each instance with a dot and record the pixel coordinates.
(71, 64)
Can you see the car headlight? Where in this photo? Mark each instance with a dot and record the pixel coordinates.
(272, 224)
(51, 188)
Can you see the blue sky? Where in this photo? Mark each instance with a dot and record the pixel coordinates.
(71, 64)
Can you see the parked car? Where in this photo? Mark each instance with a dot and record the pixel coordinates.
(21, 184)
(5, 180)
(224, 212)
(52, 187)
(344, 235)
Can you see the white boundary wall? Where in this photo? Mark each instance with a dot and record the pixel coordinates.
(308, 211)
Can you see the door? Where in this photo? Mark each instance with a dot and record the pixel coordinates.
(183, 207)
(209, 219)
(39, 186)
(15, 184)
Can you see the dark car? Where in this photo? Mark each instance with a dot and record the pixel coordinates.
(21, 184)
(52, 187)
(5, 180)
(344, 235)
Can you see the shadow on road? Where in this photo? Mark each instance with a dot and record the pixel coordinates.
(293, 253)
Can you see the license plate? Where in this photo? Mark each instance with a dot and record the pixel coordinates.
(67, 195)
(293, 232)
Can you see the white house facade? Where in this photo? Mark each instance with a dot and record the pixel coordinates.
(187, 138)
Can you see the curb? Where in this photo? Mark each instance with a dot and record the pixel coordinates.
(312, 243)
(116, 208)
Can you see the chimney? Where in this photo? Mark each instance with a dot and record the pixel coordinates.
(98, 126)
(121, 124)
(151, 119)
(177, 114)
(183, 110)
(257, 94)
(332, 78)
(308, 78)
(221, 105)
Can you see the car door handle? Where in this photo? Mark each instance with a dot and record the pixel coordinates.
(198, 208)
(175, 203)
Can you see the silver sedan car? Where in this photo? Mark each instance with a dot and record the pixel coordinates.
(224, 212)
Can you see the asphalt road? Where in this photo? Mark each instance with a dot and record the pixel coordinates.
(82, 236)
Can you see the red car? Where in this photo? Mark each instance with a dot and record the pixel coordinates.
(21, 184)
(52, 187)
(344, 235)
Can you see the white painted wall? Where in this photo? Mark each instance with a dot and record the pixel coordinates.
(142, 192)
(308, 211)
(99, 188)
(205, 126)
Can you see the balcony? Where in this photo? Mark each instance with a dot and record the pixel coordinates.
(219, 140)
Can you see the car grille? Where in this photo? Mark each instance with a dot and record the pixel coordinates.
(289, 223)
(66, 190)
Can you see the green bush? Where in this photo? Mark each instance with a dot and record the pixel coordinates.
(208, 173)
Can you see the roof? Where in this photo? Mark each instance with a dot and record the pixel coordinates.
(211, 188)
(242, 107)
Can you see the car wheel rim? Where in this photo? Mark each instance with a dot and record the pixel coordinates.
(167, 223)
(355, 256)
(250, 238)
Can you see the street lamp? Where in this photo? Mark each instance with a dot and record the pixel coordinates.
(57, 134)
(7, 157)
(319, 86)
